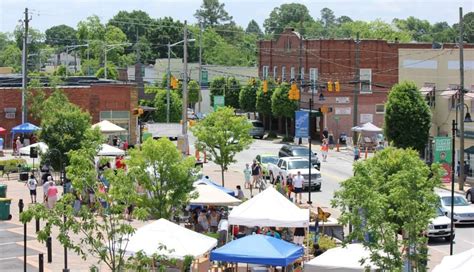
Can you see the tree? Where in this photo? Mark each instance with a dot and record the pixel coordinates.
(102, 230)
(217, 87)
(10, 56)
(419, 29)
(372, 30)
(212, 13)
(91, 31)
(112, 72)
(61, 35)
(468, 22)
(286, 15)
(328, 20)
(223, 135)
(165, 174)
(135, 24)
(282, 106)
(442, 32)
(407, 117)
(343, 19)
(263, 103)
(232, 91)
(159, 102)
(248, 95)
(389, 193)
(254, 28)
(194, 93)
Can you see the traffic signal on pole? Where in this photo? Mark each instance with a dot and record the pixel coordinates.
(329, 86)
(174, 83)
(137, 111)
(337, 86)
(265, 86)
(293, 94)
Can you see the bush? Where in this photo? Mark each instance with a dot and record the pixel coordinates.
(271, 135)
(288, 139)
(326, 242)
(12, 164)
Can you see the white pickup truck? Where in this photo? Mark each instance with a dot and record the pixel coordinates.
(293, 165)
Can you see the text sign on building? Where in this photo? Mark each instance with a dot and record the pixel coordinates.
(342, 100)
(204, 78)
(10, 113)
(218, 101)
(443, 155)
(342, 111)
(366, 117)
(301, 124)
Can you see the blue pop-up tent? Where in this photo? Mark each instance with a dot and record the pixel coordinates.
(258, 249)
(25, 128)
(207, 181)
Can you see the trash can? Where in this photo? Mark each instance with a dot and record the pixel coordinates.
(24, 176)
(5, 209)
(3, 190)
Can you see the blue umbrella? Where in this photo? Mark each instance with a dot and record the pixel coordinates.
(258, 249)
(25, 128)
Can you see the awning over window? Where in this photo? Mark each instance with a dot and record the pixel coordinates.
(448, 93)
(426, 90)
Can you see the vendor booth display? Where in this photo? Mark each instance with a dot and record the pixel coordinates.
(25, 128)
(258, 249)
(269, 209)
(210, 195)
(341, 259)
(169, 239)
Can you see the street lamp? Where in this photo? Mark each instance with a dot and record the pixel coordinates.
(169, 77)
(107, 48)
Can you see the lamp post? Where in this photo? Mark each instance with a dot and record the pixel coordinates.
(168, 73)
(107, 48)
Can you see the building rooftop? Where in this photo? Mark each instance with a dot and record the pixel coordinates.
(15, 80)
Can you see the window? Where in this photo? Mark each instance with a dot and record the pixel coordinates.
(283, 73)
(120, 118)
(302, 75)
(292, 73)
(313, 78)
(288, 45)
(265, 72)
(380, 108)
(366, 80)
(275, 72)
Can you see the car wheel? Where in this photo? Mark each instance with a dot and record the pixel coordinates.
(469, 197)
(448, 238)
(272, 179)
(318, 188)
(260, 137)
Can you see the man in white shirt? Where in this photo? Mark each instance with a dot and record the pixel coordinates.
(223, 229)
(32, 183)
(298, 185)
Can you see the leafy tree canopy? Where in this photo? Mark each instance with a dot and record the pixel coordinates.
(248, 95)
(159, 102)
(61, 35)
(285, 15)
(212, 13)
(254, 28)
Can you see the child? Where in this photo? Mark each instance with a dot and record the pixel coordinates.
(240, 193)
(247, 175)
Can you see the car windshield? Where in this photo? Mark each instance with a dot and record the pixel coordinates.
(302, 164)
(301, 152)
(272, 159)
(257, 124)
(458, 201)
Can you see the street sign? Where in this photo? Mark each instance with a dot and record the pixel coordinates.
(218, 101)
(204, 78)
(336, 118)
(443, 156)
(302, 124)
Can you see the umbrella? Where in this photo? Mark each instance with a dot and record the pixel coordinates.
(25, 128)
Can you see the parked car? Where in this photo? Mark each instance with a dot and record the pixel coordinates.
(257, 130)
(299, 151)
(293, 165)
(440, 226)
(463, 211)
(264, 160)
(470, 195)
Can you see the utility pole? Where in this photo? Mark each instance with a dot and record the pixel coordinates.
(138, 69)
(200, 67)
(185, 89)
(461, 101)
(356, 86)
(168, 81)
(24, 82)
(300, 64)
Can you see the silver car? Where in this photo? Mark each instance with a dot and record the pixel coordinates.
(257, 130)
(463, 212)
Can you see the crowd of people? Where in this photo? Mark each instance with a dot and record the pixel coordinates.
(50, 191)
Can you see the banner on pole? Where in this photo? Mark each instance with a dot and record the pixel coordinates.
(443, 155)
(218, 101)
(302, 124)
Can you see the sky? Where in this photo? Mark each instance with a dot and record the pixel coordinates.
(48, 13)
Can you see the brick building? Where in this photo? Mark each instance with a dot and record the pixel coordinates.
(321, 61)
(103, 100)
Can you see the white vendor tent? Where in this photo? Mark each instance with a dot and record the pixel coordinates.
(179, 241)
(269, 209)
(341, 259)
(210, 195)
(367, 127)
(463, 261)
(42, 148)
(108, 127)
(108, 150)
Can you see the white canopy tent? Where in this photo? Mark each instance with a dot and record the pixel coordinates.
(108, 127)
(269, 209)
(43, 148)
(210, 195)
(179, 241)
(341, 259)
(463, 261)
(108, 150)
(367, 127)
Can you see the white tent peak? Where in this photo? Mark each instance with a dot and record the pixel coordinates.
(210, 195)
(367, 127)
(106, 126)
(108, 150)
(269, 209)
(43, 148)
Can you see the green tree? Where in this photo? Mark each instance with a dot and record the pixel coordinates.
(10, 56)
(135, 24)
(389, 193)
(165, 174)
(254, 28)
(419, 29)
(372, 30)
(102, 231)
(212, 13)
(112, 72)
(343, 19)
(263, 102)
(442, 32)
(286, 15)
(217, 87)
(194, 93)
(328, 20)
(248, 96)
(407, 117)
(232, 91)
(60, 36)
(91, 31)
(282, 106)
(223, 135)
(159, 102)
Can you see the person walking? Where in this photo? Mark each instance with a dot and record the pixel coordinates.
(46, 185)
(298, 185)
(325, 149)
(256, 174)
(223, 230)
(18, 145)
(356, 153)
(289, 185)
(52, 195)
(247, 175)
(32, 184)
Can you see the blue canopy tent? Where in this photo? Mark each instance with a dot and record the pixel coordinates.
(258, 249)
(207, 181)
(23, 128)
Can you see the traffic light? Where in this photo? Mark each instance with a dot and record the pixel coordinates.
(265, 87)
(174, 83)
(329, 86)
(337, 86)
(137, 111)
(294, 93)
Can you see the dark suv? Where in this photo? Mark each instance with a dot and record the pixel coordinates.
(299, 151)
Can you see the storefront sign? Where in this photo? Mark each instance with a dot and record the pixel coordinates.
(443, 156)
(342, 100)
(343, 111)
(10, 113)
(366, 117)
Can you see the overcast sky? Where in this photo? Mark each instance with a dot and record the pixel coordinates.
(47, 13)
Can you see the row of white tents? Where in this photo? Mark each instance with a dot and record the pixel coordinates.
(104, 150)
